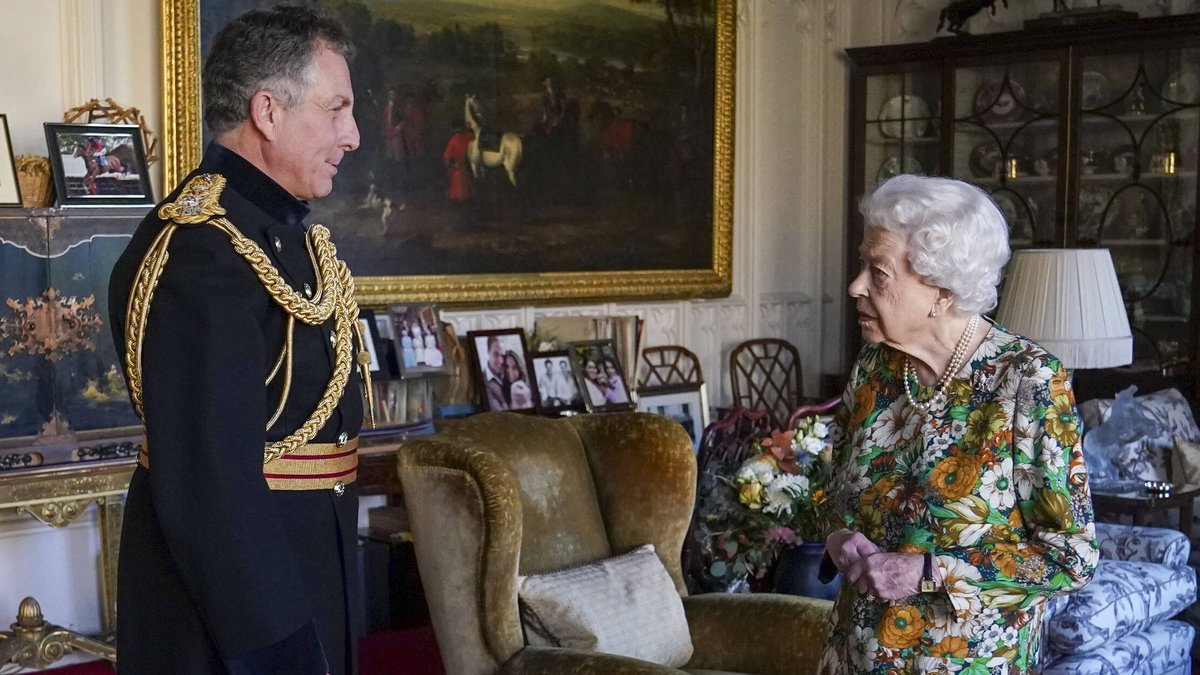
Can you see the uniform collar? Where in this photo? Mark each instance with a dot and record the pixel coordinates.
(254, 185)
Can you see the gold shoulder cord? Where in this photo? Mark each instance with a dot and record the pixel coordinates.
(198, 204)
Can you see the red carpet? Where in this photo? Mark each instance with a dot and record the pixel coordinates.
(412, 652)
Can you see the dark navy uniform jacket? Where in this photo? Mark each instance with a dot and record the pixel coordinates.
(217, 573)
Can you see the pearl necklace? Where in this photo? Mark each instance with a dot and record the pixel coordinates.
(956, 359)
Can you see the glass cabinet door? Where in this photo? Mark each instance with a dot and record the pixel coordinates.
(1007, 131)
(1137, 162)
(903, 125)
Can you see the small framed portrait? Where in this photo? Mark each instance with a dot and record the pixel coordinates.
(370, 333)
(687, 404)
(99, 164)
(10, 190)
(503, 366)
(419, 338)
(386, 345)
(600, 377)
(556, 386)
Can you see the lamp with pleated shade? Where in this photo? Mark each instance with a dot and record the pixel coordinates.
(1068, 301)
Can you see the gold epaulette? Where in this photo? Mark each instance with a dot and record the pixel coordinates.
(198, 202)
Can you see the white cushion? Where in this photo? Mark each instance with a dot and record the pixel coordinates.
(626, 605)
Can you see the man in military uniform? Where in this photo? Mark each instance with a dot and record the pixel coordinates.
(239, 327)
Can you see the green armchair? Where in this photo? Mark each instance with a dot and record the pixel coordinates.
(502, 494)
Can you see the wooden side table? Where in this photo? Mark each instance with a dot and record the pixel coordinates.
(1141, 505)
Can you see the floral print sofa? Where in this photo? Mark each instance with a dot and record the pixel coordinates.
(1121, 623)
(1138, 615)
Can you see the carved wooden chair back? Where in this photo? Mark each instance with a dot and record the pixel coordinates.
(765, 375)
(822, 408)
(668, 365)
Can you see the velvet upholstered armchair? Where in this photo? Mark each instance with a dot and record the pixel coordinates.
(501, 495)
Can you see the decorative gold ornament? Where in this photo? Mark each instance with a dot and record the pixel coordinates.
(60, 513)
(53, 325)
(33, 643)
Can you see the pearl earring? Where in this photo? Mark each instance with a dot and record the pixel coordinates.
(933, 312)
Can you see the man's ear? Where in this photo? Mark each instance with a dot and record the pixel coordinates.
(265, 113)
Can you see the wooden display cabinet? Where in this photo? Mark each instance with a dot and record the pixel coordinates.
(1086, 136)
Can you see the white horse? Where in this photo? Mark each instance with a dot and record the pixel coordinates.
(509, 154)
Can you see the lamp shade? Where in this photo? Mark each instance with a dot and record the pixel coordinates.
(1069, 302)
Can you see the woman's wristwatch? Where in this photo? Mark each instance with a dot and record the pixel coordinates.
(928, 583)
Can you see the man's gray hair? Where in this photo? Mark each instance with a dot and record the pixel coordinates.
(272, 49)
(957, 237)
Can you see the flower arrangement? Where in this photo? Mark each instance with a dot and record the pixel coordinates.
(774, 498)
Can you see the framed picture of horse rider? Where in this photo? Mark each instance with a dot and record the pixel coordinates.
(98, 164)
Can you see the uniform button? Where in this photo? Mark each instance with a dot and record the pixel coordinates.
(342, 439)
(278, 244)
(339, 488)
(308, 290)
(332, 338)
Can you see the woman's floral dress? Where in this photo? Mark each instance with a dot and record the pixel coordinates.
(992, 483)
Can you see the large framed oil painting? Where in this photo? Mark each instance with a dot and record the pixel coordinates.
(515, 151)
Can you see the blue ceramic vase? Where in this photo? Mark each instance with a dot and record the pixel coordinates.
(796, 573)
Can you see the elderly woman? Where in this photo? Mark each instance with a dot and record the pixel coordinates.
(959, 489)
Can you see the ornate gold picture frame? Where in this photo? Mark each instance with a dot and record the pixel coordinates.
(625, 189)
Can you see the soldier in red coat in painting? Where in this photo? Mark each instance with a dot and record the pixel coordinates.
(455, 159)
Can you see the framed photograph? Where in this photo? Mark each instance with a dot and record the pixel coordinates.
(419, 335)
(98, 164)
(388, 346)
(10, 190)
(600, 377)
(366, 321)
(556, 385)
(611, 175)
(503, 366)
(686, 404)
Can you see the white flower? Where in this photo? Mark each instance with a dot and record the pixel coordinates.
(783, 492)
(958, 575)
(863, 645)
(1028, 476)
(894, 425)
(1052, 455)
(820, 430)
(756, 470)
(812, 445)
(1083, 545)
(997, 485)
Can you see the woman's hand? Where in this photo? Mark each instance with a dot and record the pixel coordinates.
(887, 576)
(846, 547)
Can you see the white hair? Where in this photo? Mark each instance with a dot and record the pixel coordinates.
(956, 235)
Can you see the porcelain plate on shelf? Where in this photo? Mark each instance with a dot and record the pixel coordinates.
(1094, 90)
(912, 109)
(892, 167)
(1182, 86)
(995, 102)
(1017, 215)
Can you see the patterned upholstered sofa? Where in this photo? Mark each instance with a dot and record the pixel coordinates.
(1138, 615)
(1122, 623)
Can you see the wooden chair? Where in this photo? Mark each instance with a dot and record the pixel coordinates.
(727, 442)
(668, 366)
(765, 375)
